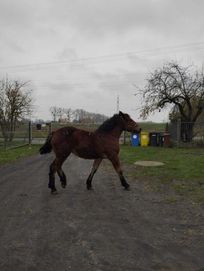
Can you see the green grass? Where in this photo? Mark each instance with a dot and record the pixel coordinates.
(7, 156)
(12, 144)
(183, 169)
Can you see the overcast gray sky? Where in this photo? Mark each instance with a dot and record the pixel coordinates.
(83, 53)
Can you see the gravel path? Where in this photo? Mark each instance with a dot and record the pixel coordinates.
(108, 229)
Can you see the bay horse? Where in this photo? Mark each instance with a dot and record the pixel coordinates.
(101, 144)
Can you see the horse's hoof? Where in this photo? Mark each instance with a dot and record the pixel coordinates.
(63, 185)
(89, 188)
(127, 187)
(54, 192)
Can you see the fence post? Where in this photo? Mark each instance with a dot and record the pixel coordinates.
(29, 133)
(50, 127)
(178, 131)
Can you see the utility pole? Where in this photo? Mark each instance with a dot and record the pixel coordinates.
(117, 111)
(118, 104)
(30, 133)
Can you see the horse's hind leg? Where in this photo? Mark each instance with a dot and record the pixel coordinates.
(93, 171)
(116, 164)
(52, 172)
(56, 167)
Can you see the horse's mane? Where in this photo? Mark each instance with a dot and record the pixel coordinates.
(109, 124)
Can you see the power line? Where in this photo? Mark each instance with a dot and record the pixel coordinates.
(91, 87)
(110, 57)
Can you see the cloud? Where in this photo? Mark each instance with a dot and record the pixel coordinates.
(90, 40)
(100, 18)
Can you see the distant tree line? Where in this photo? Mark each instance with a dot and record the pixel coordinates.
(67, 115)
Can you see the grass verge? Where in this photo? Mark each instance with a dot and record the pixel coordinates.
(7, 156)
(183, 169)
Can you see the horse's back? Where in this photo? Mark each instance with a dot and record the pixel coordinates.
(85, 144)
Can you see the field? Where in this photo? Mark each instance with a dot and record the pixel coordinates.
(182, 172)
(7, 156)
(22, 130)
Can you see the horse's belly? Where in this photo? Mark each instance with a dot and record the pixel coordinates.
(86, 153)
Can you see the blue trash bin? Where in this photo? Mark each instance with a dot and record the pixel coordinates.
(134, 139)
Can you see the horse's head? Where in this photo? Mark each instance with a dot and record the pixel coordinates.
(129, 124)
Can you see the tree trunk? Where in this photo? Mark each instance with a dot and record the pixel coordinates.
(187, 131)
(8, 131)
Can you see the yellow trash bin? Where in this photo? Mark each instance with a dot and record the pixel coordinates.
(144, 139)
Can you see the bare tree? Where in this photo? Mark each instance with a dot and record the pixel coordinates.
(79, 115)
(60, 112)
(68, 112)
(15, 104)
(178, 86)
(54, 112)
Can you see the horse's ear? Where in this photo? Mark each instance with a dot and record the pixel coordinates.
(121, 113)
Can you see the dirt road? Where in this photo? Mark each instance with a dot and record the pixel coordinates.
(108, 229)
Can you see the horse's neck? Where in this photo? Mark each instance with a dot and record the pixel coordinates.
(116, 132)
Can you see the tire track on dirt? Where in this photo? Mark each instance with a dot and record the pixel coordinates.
(107, 229)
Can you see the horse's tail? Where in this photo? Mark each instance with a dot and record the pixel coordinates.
(47, 147)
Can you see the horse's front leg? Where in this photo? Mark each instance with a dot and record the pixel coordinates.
(93, 171)
(116, 164)
(63, 178)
